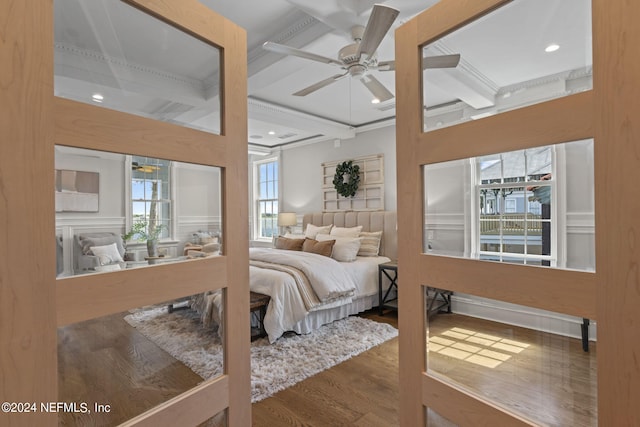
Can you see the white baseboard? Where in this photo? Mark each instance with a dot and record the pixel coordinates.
(525, 317)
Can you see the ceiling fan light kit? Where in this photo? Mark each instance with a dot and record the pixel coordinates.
(359, 58)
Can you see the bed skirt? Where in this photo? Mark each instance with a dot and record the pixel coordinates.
(315, 319)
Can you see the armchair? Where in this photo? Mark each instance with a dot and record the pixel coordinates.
(107, 256)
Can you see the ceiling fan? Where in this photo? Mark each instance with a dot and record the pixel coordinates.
(143, 167)
(359, 58)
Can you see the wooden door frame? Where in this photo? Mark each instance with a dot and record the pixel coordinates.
(33, 302)
(28, 342)
(609, 114)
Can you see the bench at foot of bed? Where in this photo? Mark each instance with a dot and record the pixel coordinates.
(258, 308)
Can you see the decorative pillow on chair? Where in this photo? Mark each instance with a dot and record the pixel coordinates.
(345, 249)
(313, 230)
(320, 248)
(109, 267)
(100, 239)
(107, 254)
(346, 231)
(289, 244)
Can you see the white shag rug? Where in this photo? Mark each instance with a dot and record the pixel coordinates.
(274, 367)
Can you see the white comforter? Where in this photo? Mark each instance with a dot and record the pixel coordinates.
(328, 278)
(288, 310)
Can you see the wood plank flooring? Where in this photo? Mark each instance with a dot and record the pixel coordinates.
(107, 361)
(362, 391)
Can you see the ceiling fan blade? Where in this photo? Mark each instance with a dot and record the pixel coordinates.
(380, 21)
(287, 50)
(428, 62)
(441, 61)
(376, 88)
(386, 65)
(322, 83)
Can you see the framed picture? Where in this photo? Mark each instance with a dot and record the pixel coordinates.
(77, 191)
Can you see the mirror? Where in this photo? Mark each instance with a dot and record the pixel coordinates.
(102, 57)
(124, 364)
(151, 211)
(494, 74)
(533, 206)
(538, 364)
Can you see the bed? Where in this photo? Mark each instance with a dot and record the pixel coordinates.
(309, 290)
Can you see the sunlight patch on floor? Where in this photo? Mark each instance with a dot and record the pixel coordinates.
(475, 347)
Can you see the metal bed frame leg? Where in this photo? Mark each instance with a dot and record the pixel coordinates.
(585, 334)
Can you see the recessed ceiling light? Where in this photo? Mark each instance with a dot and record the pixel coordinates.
(97, 97)
(271, 132)
(375, 101)
(552, 47)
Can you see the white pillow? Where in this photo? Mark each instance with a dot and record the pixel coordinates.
(345, 248)
(107, 254)
(346, 231)
(313, 230)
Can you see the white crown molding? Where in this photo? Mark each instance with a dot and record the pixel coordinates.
(122, 64)
(308, 141)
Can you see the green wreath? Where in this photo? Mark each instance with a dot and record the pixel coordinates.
(350, 187)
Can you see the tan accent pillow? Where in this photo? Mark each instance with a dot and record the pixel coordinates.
(370, 243)
(320, 248)
(289, 244)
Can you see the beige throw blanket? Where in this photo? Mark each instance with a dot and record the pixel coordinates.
(309, 297)
(327, 277)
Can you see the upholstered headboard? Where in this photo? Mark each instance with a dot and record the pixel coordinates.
(384, 221)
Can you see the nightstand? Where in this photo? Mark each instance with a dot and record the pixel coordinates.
(438, 301)
(388, 299)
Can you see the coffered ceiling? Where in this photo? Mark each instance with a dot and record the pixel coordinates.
(172, 77)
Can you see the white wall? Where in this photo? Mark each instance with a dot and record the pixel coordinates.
(198, 204)
(301, 170)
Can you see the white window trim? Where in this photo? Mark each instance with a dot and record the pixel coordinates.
(558, 214)
(129, 204)
(255, 191)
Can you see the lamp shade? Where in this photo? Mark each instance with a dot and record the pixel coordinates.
(286, 219)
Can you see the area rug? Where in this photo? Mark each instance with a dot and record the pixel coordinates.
(274, 367)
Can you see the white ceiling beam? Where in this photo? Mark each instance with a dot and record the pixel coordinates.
(463, 86)
(264, 111)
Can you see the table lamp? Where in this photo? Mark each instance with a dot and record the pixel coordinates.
(287, 219)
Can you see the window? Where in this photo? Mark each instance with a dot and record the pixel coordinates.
(515, 193)
(266, 196)
(151, 195)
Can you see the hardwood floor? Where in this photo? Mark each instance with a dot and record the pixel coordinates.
(107, 361)
(545, 377)
(362, 391)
